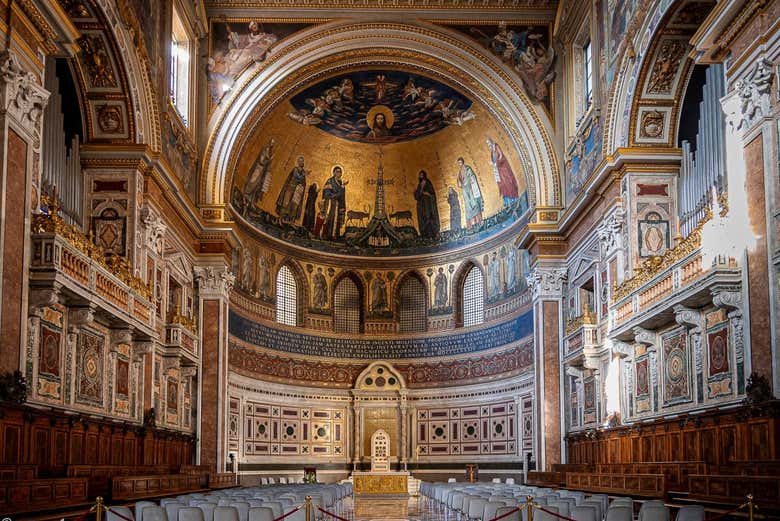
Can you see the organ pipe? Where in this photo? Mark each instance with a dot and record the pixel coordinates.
(61, 162)
(705, 167)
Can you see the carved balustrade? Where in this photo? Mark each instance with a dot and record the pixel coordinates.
(65, 259)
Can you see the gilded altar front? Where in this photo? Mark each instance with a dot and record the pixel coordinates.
(380, 483)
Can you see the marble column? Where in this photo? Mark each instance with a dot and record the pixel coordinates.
(22, 102)
(214, 285)
(404, 442)
(547, 283)
(751, 162)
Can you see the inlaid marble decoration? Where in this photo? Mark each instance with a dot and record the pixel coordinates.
(589, 400)
(676, 368)
(486, 429)
(276, 430)
(642, 385)
(90, 369)
(719, 374)
(50, 362)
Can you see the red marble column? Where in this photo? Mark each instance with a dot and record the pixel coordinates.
(20, 129)
(547, 285)
(757, 261)
(13, 253)
(214, 285)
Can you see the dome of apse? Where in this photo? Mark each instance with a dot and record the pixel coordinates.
(378, 163)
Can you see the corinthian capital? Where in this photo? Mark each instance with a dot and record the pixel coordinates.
(610, 231)
(22, 97)
(214, 282)
(547, 281)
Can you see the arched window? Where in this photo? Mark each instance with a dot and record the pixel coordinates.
(473, 298)
(411, 306)
(347, 307)
(286, 297)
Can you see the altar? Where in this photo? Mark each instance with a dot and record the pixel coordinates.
(380, 483)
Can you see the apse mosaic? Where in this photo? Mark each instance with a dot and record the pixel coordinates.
(378, 163)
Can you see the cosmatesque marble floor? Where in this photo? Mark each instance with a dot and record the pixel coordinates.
(386, 509)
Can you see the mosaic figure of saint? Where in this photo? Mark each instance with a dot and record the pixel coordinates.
(503, 174)
(259, 178)
(310, 210)
(378, 293)
(494, 276)
(427, 208)
(334, 192)
(290, 201)
(320, 290)
(440, 291)
(454, 201)
(472, 193)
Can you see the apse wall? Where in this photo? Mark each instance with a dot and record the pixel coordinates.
(448, 394)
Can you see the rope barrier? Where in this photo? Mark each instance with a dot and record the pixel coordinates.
(556, 514)
(291, 512)
(724, 514)
(505, 514)
(109, 509)
(331, 514)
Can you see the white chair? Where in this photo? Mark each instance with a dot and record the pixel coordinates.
(541, 515)
(172, 510)
(242, 508)
(263, 481)
(452, 480)
(562, 506)
(121, 511)
(282, 480)
(584, 513)
(139, 507)
(271, 481)
(597, 505)
(514, 516)
(208, 510)
(154, 513)
(225, 514)
(191, 514)
(476, 508)
(261, 514)
(510, 481)
(690, 513)
(653, 510)
(275, 506)
(620, 513)
(491, 507)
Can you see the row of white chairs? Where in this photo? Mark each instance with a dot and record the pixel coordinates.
(486, 501)
(283, 480)
(261, 503)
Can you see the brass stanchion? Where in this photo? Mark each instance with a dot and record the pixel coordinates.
(98, 508)
(530, 506)
(308, 509)
(750, 507)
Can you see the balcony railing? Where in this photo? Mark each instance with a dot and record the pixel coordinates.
(62, 254)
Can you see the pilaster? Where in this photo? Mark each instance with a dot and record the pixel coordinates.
(547, 286)
(214, 285)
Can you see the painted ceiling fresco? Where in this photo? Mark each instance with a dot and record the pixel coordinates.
(525, 48)
(379, 163)
(235, 44)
